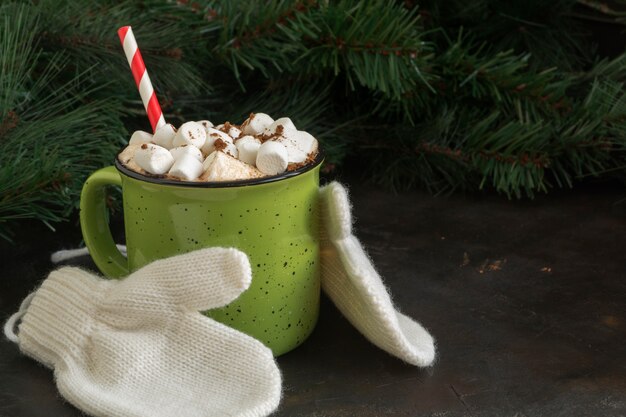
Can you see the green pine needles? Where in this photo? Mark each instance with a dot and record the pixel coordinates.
(511, 96)
(50, 135)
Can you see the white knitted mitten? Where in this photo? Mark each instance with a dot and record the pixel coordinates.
(350, 280)
(139, 347)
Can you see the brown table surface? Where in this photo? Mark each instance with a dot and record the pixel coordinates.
(527, 302)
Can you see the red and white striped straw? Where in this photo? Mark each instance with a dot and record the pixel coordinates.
(148, 96)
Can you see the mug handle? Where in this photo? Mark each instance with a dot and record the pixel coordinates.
(94, 225)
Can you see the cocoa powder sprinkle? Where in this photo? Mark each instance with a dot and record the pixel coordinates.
(309, 160)
(219, 144)
(247, 121)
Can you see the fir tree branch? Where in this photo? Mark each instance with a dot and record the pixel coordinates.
(270, 26)
(487, 94)
(345, 33)
(601, 7)
(42, 164)
(9, 123)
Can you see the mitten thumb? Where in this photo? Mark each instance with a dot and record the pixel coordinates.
(198, 280)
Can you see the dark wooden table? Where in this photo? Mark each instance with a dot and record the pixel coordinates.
(527, 302)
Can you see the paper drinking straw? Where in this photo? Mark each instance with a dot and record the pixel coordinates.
(148, 96)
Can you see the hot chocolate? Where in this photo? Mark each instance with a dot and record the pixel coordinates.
(200, 151)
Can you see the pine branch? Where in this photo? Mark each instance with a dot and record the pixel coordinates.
(244, 31)
(545, 29)
(517, 157)
(171, 43)
(376, 45)
(511, 96)
(51, 137)
(601, 7)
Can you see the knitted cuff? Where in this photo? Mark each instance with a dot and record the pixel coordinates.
(61, 315)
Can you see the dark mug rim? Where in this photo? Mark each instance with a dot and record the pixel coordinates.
(162, 180)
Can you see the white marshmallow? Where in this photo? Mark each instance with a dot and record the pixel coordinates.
(127, 158)
(153, 158)
(139, 136)
(306, 141)
(164, 136)
(206, 124)
(256, 123)
(184, 150)
(272, 158)
(190, 133)
(221, 125)
(212, 135)
(231, 149)
(285, 122)
(222, 167)
(299, 145)
(209, 160)
(187, 167)
(233, 132)
(248, 146)
(294, 154)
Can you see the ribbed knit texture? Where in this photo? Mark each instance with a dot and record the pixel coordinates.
(139, 347)
(352, 283)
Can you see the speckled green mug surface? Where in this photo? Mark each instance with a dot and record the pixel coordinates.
(274, 220)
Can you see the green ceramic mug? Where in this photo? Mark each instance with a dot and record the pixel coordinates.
(274, 220)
